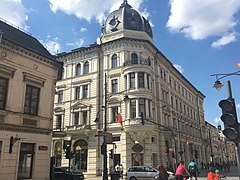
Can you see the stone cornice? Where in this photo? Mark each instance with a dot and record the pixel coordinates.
(25, 129)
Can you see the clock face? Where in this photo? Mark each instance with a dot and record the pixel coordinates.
(114, 22)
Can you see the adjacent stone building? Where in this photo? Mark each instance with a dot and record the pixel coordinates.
(124, 74)
(28, 73)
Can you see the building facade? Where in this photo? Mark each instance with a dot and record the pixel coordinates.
(124, 75)
(28, 74)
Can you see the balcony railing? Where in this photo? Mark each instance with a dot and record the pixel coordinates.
(137, 61)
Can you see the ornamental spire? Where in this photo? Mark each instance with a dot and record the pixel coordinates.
(125, 4)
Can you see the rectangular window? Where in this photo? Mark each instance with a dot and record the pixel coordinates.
(142, 106)
(85, 91)
(77, 92)
(148, 81)
(133, 108)
(114, 113)
(141, 79)
(31, 100)
(84, 114)
(3, 92)
(25, 164)
(60, 96)
(114, 86)
(76, 118)
(132, 80)
(58, 121)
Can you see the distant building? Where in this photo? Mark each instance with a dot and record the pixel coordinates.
(28, 73)
(138, 79)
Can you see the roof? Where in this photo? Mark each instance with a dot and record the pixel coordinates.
(18, 37)
(126, 18)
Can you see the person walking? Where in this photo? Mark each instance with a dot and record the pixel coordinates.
(163, 175)
(211, 174)
(181, 171)
(193, 169)
(121, 170)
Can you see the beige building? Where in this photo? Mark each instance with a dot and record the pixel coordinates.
(28, 74)
(216, 146)
(138, 79)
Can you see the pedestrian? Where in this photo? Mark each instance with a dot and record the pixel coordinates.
(163, 175)
(211, 175)
(117, 168)
(193, 169)
(121, 170)
(217, 175)
(181, 172)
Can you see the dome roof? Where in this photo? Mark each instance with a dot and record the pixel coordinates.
(126, 18)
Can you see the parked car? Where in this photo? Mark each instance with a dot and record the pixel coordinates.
(62, 173)
(142, 173)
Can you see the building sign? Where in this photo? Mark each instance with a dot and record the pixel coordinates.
(42, 148)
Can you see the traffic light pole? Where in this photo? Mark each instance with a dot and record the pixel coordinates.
(236, 143)
(105, 170)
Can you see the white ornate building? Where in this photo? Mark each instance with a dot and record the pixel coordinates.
(139, 79)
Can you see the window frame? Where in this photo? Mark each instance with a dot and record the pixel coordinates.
(29, 100)
(86, 68)
(114, 61)
(85, 91)
(114, 86)
(4, 92)
(78, 69)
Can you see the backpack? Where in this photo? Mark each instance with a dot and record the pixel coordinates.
(192, 169)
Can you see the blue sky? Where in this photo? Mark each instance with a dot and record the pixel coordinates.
(200, 37)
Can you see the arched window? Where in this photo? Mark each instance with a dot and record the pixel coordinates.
(86, 68)
(114, 61)
(78, 69)
(134, 58)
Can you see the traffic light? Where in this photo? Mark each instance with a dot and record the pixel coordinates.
(142, 118)
(68, 152)
(111, 153)
(229, 117)
(66, 143)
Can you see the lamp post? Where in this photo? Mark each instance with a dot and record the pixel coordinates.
(218, 85)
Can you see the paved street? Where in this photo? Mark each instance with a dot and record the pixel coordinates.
(233, 175)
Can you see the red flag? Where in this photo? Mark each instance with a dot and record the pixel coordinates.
(119, 119)
(186, 140)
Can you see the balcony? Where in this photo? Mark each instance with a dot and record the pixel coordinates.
(137, 62)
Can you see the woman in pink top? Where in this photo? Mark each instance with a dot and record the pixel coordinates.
(180, 169)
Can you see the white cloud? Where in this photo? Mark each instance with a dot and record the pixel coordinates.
(76, 43)
(217, 120)
(224, 40)
(83, 29)
(199, 19)
(238, 106)
(178, 67)
(90, 9)
(52, 45)
(14, 12)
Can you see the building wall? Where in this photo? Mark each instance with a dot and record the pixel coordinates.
(22, 67)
